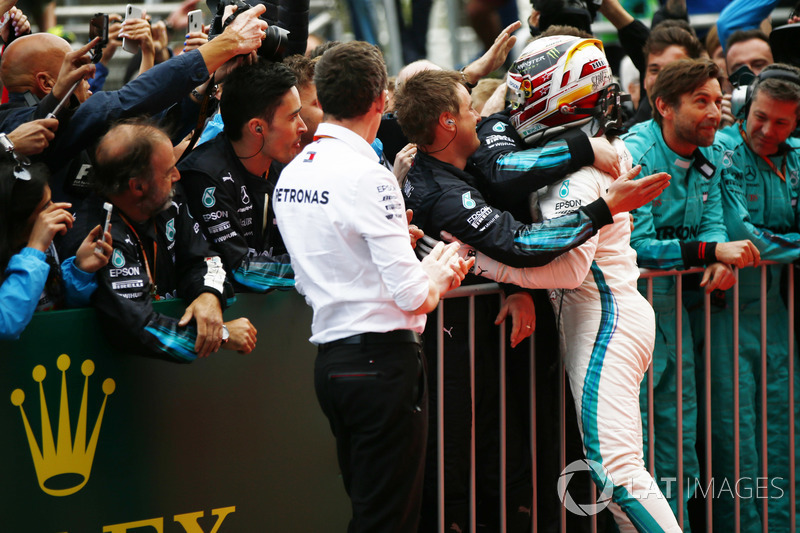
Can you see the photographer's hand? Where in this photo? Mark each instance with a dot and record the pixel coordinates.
(31, 138)
(77, 65)
(727, 112)
(242, 36)
(114, 41)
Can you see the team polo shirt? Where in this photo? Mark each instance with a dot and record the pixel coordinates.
(343, 222)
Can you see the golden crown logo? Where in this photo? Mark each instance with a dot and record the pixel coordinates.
(63, 466)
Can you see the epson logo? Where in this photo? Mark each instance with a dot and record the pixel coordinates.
(568, 204)
(215, 215)
(123, 272)
(476, 218)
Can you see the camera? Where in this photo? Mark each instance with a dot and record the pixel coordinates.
(783, 42)
(577, 13)
(288, 25)
(98, 27)
(742, 81)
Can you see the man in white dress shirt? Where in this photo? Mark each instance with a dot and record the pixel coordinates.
(343, 221)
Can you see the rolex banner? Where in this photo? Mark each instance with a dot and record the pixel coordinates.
(99, 440)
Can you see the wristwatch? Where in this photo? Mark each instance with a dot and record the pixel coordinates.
(465, 81)
(225, 334)
(6, 144)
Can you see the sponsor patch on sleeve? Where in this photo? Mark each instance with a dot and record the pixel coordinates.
(215, 274)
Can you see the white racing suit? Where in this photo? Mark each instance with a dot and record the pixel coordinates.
(607, 334)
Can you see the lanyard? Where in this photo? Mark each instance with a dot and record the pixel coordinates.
(782, 172)
(153, 289)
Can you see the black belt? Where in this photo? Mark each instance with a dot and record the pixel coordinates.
(390, 337)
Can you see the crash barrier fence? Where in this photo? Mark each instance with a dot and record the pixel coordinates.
(470, 293)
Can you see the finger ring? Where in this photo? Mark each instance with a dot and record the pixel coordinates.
(528, 327)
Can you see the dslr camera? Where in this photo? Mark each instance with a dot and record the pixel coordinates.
(742, 81)
(287, 32)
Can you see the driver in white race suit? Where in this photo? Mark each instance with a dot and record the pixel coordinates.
(607, 328)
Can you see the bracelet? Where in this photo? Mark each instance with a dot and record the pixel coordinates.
(465, 81)
(210, 90)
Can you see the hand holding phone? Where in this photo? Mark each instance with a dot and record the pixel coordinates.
(98, 27)
(108, 207)
(195, 21)
(131, 12)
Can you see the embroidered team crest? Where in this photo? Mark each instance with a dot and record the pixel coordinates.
(727, 160)
(169, 230)
(499, 127)
(245, 197)
(117, 259)
(563, 191)
(208, 197)
(467, 201)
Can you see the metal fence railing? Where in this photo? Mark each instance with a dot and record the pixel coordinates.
(491, 290)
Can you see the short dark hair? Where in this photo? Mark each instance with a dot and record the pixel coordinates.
(777, 88)
(679, 78)
(421, 99)
(123, 153)
(677, 23)
(561, 29)
(665, 35)
(349, 78)
(254, 90)
(302, 67)
(741, 36)
(321, 49)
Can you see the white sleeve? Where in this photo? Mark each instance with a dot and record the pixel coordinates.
(569, 270)
(382, 223)
(566, 271)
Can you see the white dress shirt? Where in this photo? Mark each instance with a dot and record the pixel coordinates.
(342, 218)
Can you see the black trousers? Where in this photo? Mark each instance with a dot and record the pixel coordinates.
(375, 399)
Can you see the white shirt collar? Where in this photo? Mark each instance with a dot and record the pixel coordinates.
(351, 138)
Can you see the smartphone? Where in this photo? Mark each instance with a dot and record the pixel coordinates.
(108, 207)
(98, 27)
(131, 12)
(195, 21)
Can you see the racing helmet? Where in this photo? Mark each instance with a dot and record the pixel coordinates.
(561, 82)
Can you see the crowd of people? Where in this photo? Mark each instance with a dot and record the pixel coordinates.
(220, 169)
